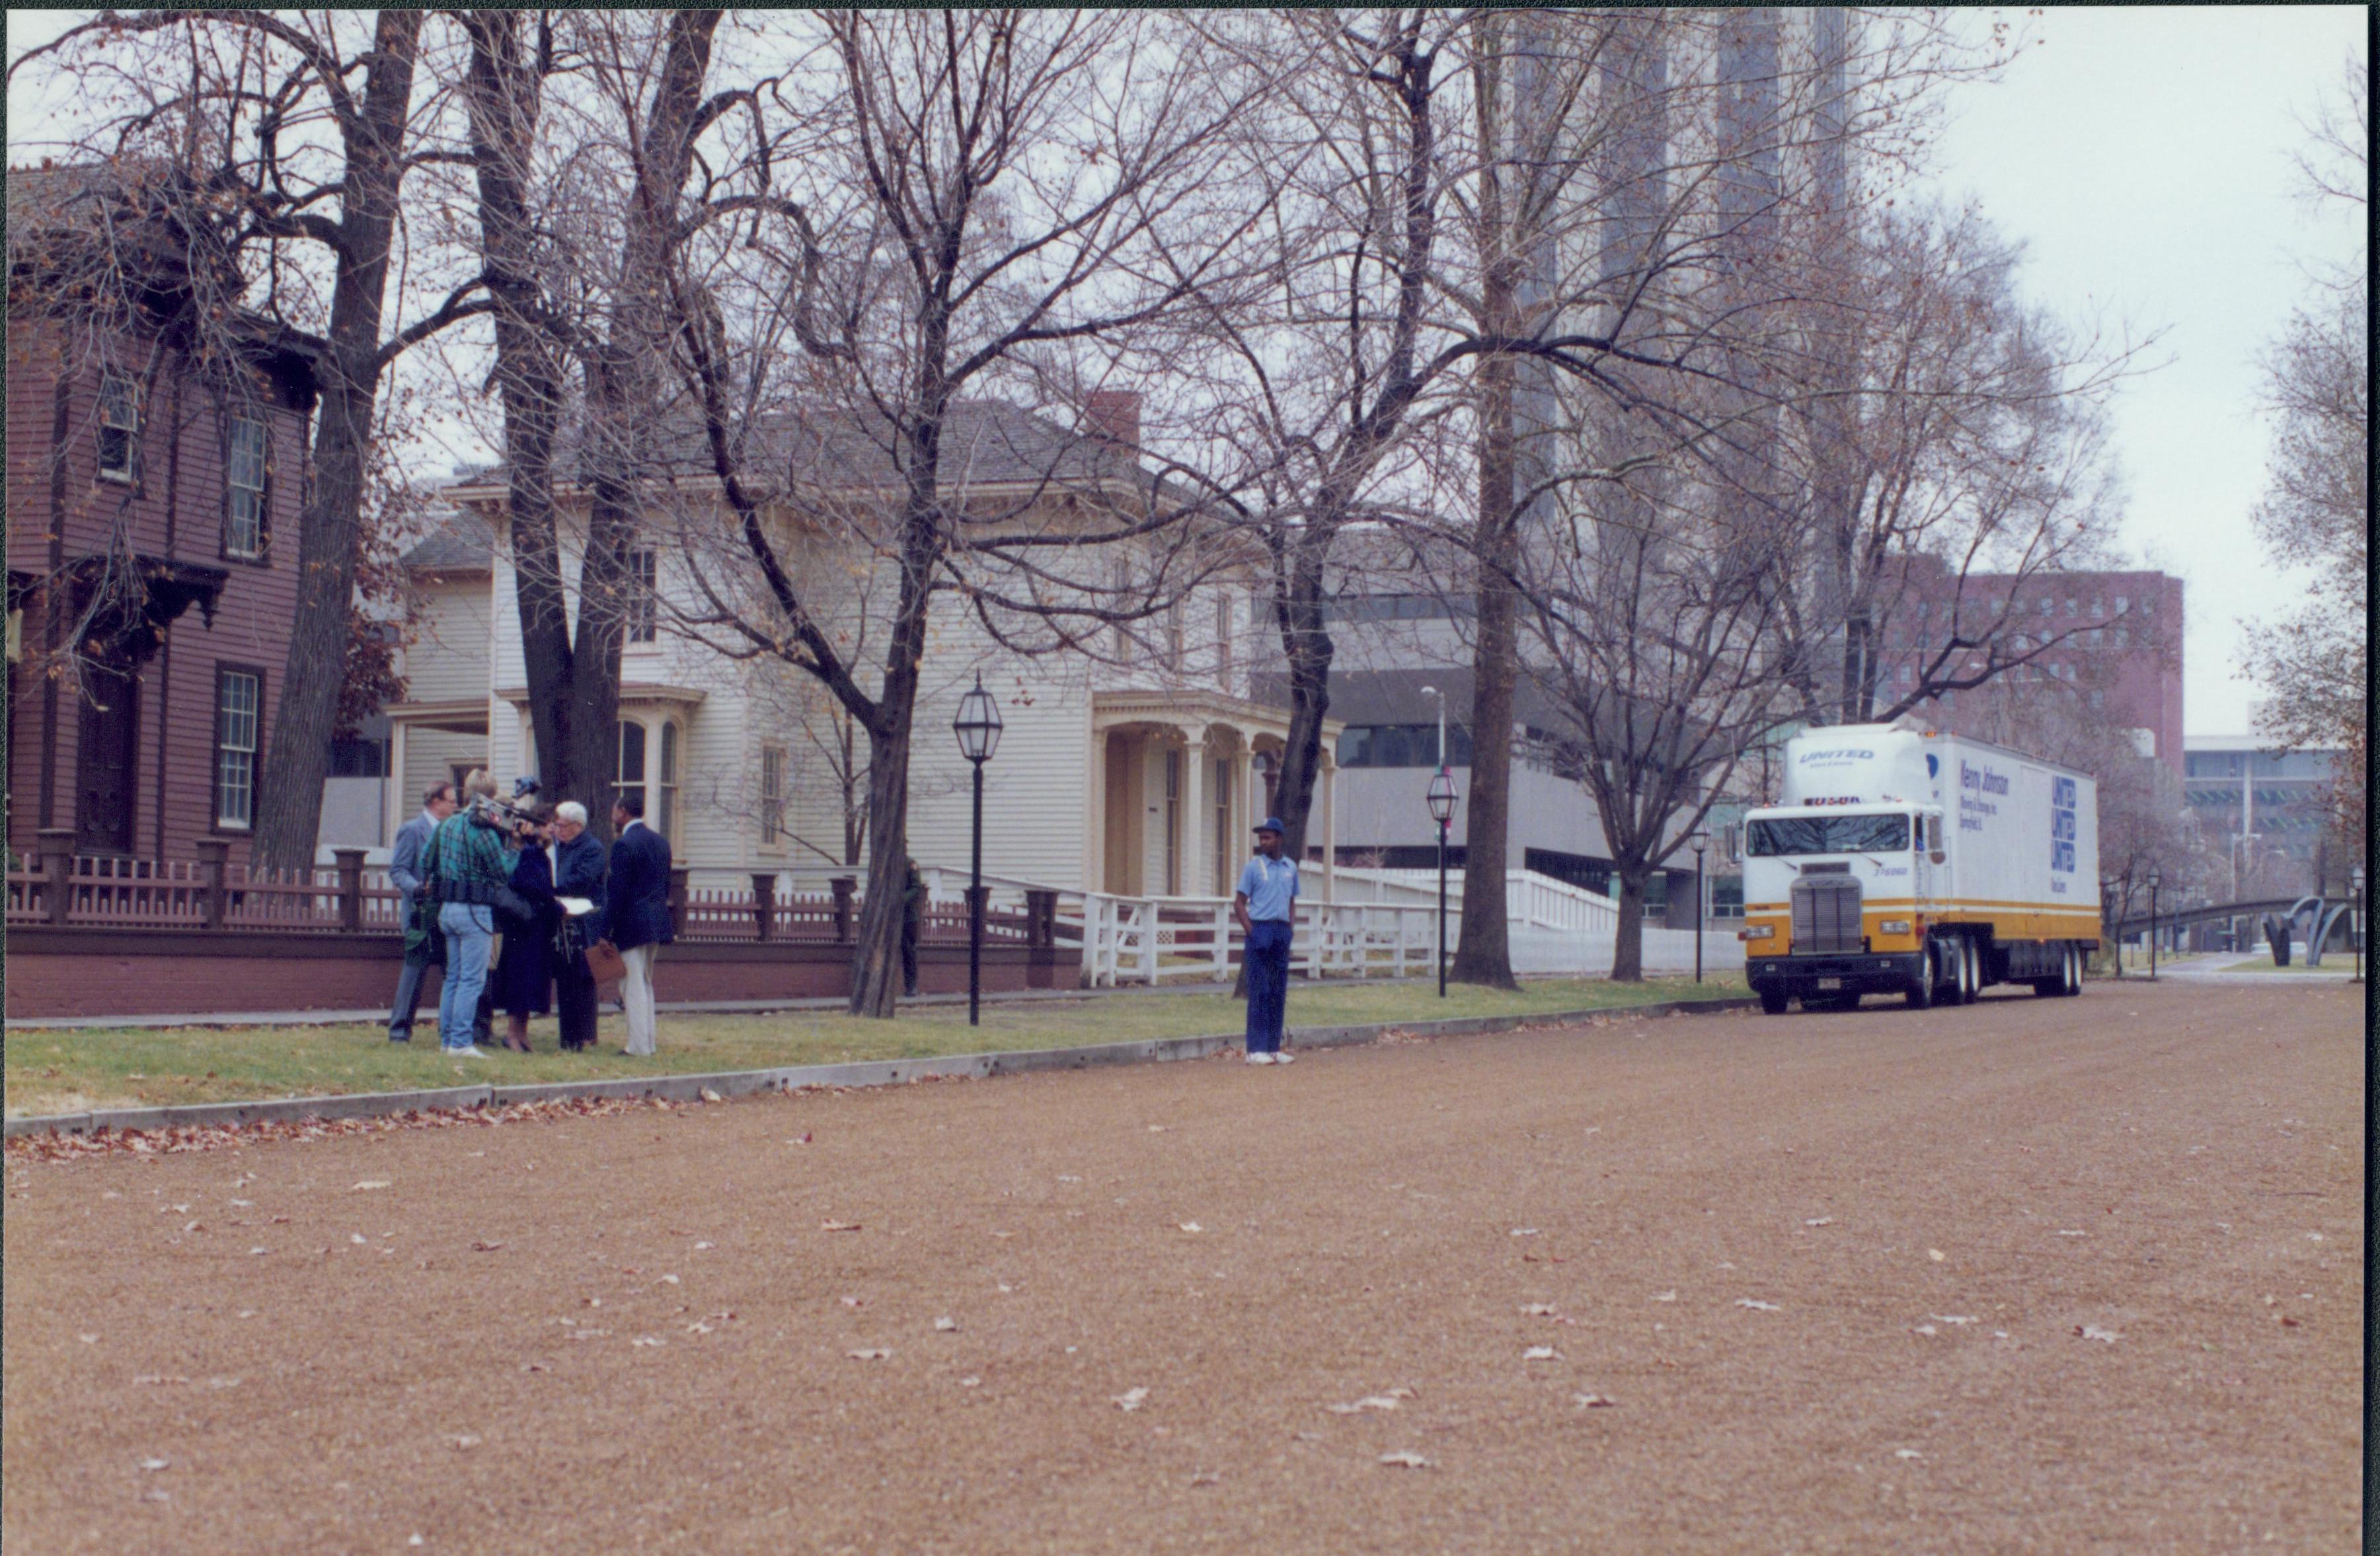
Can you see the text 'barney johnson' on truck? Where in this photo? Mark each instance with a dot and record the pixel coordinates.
(1927, 865)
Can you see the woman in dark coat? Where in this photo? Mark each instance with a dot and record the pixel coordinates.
(524, 978)
(578, 871)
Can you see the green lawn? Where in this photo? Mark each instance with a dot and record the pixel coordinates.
(71, 1070)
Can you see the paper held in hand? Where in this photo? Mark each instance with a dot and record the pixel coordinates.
(576, 906)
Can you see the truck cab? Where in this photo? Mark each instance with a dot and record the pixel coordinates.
(1836, 898)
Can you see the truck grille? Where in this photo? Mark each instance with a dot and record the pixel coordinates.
(1827, 914)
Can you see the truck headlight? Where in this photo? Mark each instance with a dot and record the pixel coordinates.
(1894, 926)
(1757, 932)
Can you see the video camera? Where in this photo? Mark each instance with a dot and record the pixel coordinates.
(506, 815)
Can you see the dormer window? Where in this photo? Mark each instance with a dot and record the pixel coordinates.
(119, 428)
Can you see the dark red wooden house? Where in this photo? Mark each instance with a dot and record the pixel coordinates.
(155, 472)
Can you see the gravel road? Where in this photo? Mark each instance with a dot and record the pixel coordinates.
(2036, 1275)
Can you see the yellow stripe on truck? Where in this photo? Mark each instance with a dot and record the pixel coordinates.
(2035, 924)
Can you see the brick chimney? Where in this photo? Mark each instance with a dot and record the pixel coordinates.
(1113, 415)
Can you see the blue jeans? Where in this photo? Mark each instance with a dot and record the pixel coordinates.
(471, 934)
(1267, 965)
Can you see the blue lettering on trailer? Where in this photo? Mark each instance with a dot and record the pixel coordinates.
(2062, 834)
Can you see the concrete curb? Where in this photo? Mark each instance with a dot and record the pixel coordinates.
(795, 1078)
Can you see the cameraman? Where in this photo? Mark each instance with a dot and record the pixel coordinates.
(467, 870)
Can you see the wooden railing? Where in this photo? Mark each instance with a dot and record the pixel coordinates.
(1160, 939)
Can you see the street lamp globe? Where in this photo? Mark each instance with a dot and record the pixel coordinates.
(2358, 881)
(2157, 877)
(1698, 840)
(1441, 797)
(978, 725)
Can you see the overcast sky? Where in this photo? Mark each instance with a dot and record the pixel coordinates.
(2141, 156)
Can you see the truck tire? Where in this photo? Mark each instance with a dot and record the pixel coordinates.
(1920, 992)
(2073, 970)
(1971, 971)
(1773, 1002)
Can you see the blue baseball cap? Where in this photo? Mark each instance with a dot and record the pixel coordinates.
(1271, 824)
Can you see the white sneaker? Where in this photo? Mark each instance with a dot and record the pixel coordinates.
(1260, 1058)
(1283, 1056)
(471, 1053)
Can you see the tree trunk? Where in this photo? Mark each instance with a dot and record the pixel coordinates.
(1484, 954)
(1310, 652)
(289, 801)
(876, 959)
(1628, 934)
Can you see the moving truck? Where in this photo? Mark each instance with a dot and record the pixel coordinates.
(1910, 862)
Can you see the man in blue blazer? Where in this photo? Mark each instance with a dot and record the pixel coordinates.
(636, 915)
(422, 948)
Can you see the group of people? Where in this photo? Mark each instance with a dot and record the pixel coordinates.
(489, 888)
(518, 904)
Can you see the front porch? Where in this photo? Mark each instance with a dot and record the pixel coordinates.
(1177, 782)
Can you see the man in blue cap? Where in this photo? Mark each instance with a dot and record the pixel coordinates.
(1266, 905)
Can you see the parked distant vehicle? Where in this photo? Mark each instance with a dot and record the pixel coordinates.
(1931, 866)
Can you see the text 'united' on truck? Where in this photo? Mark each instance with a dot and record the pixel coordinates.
(1926, 866)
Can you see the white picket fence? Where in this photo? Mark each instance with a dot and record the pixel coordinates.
(1381, 924)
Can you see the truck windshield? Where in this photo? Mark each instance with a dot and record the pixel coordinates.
(1829, 834)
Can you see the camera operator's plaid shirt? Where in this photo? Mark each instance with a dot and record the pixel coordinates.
(470, 854)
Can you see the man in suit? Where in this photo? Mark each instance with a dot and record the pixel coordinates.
(636, 915)
(421, 944)
(577, 872)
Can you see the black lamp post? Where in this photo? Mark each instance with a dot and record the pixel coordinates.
(2154, 879)
(1698, 841)
(2355, 920)
(1441, 809)
(978, 726)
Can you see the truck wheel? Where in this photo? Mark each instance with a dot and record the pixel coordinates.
(1773, 1002)
(1920, 992)
(2073, 970)
(1971, 971)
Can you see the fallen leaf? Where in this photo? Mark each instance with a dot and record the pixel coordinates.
(1191, 1226)
(1820, 1221)
(1925, 1329)
(464, 1440)
(1525, 1231)
(853, 1301)
(1157, 1129)
(479, 1247)
(802, 1140)
(1539, 1309)
(970, 1382)
(1369, 1401)
(88, 1339)
(838, 1227)
(160, 1377)
(874, 1355)
(1665, 1296)
(1405, 1459)
(1540, 1353)
(155, 1464)
(2076, 1234)
(1206, 1478)
(1131, 1399)
(355, 1236)
(2093, 1331)
(1951, 1318)
(1592, 1401)
(702, 1245)
(1756, 1305)
(710, 1096)
(669, 1280)
(1907, 1453)
(368, 1184)
(1937, 1255)
(945, 1325)
(648, 1340)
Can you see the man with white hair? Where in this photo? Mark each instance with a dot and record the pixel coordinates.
(577, 872)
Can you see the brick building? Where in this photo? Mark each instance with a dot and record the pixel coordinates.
(152, 523)
(2113, 659)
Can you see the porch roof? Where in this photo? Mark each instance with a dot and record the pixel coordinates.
(1189, 710)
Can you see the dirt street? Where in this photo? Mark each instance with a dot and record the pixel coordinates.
(2039, 1276)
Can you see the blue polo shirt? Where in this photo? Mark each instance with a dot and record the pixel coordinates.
(1270, 886)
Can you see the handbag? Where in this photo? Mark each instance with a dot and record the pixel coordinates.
(605, 963)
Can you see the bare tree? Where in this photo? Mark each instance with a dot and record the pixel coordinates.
(294, 134)
(2314, 664)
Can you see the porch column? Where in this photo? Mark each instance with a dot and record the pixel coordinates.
(1194, 852)
(1095, 825)
(1329, 827)
(394, 806)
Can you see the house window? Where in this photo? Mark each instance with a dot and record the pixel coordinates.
(644, 573)
(1223, 825)
(1173, 823)
(244, 530)
(119, 428)
(668, 797)
(2069, 605)
(2046, 607)
(2096, 698)
(1175, 638)
(773, 795)
(2119, 604)
(2122, 638)
(1224, 639)
(631, 777)
(238, 694)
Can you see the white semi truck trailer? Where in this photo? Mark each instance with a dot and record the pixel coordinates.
(1926, 866)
